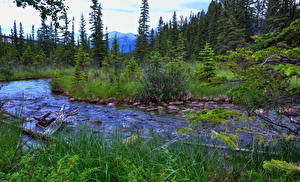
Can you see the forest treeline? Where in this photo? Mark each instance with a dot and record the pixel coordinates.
(227, 25)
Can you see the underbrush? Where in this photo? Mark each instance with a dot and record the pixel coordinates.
(90, 157)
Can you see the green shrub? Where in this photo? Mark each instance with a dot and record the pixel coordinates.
(162, 82)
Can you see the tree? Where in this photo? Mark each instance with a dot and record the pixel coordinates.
(80, 72)
(14, 35)
(207, 57)
(1, 44)
(28, 56)
(106, 41)
(54, 8)
(66, 33)
(174, 30)
(21, 39)
(152, 39)
(141, 47)
(83, 36)
(98, 50)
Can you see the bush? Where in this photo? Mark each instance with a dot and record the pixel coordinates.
(162, 82)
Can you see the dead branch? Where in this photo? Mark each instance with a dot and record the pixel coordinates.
(43, 122)
(61, 118)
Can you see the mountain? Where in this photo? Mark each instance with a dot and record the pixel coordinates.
(126, 41)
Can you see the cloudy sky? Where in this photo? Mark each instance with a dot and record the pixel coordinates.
(118, 15)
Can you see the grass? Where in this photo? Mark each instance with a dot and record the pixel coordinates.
(27, 72)
(92, 158)
(102, 85)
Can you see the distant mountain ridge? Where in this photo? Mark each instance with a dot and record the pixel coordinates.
(126, 41)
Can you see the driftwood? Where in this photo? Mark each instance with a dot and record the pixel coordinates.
(61, 117)
(43, 122)
(49, 130)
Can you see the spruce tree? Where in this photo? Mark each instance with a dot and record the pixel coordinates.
(174, 30)
(151, 45)
(66, 33)
(28, 56)
(142, 47)
(98, 50)
(207, 57)
(106, 41)
(1, 43)
(83, 36)
(21, 40)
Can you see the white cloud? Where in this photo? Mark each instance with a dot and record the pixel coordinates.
(119, 15)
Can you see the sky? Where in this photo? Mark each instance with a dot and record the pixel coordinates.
(118, 15)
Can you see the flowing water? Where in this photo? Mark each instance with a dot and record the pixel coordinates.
(33, 98)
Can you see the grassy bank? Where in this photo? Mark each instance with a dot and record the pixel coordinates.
(23, 73)
(91, 158)
(104, 84)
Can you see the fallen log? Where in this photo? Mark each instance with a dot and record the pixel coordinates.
(61, 118)
(43, 122)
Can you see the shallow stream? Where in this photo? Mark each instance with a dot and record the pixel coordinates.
(33, 98)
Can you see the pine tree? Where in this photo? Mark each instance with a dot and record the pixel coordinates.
(1, 43)
(21, 40)
(174, 30)
(207, 57)
(98, 50)
(28, 56)
(280, 13)
(106, 41)
(32, 39)
(115, 46)
(141, 47)
(151, 45)
(213, 16)
(83, 36)
(15, 39)
(66, 33)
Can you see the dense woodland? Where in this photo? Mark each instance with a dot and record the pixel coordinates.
(244, 51)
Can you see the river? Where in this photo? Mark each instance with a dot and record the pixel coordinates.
(33, 98)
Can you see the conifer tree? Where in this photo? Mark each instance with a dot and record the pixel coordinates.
(1, 43)
(106, 41)
(66, 33)
(141, 47)
(174, 30)
(213, 16)
(32, 39)
(98, 50)
(21, 40)
(14, 35)
(151, 45)
(28, 56)
(207, 57)
(83, 36)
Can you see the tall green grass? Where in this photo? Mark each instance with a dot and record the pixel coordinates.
(90, 157)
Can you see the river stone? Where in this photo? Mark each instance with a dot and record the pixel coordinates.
(176, 103)
(5, 116)
(111, 100)
(289, 112)
(95, 122)
(196, 104)
(136, 104)
(93, 101)
(152, 109)
(173, 109)
(111, 104)
(72, 99)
